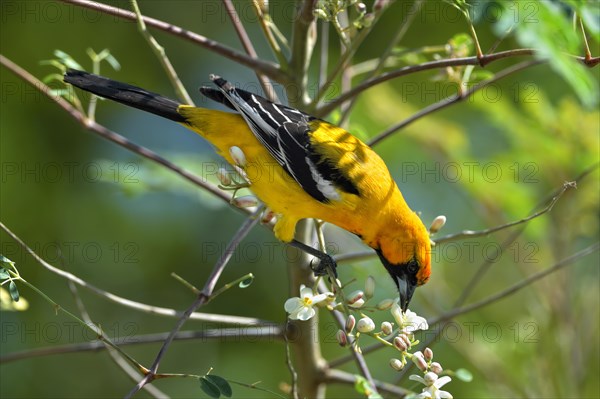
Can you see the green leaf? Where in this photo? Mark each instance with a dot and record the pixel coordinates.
(3, 274)
(221, 383)
(67, 60)
(463, 375)
(209, 388)
(362, 386)
(14, 292)
(4, 259)
(247, 282)
(113, 62)
(53, 77)
(544, 26)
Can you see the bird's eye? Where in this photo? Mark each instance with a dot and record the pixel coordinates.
(412, 267)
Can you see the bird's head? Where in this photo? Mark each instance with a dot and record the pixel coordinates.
(407, 257)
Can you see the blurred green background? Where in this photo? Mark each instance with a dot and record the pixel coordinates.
(123, 224)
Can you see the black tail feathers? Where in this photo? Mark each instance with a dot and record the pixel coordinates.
(125, 94)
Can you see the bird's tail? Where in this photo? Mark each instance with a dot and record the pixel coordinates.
(125, 94)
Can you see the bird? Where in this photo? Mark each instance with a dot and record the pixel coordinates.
(305, 167)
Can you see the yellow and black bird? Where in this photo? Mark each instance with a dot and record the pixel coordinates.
(320, 171)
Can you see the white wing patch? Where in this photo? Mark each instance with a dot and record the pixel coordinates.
(323, 185)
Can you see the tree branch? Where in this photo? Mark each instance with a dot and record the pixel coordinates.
(161, 54)
(269, 332)
(214, 318)
(343, 377)
(202, 298)
(485, 232)
(453, 99)
(109, 134)
(515, 287)
(450, 62)
(247, 44)
(302, 46)
(268, 68)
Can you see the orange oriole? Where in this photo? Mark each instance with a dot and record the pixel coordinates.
(322, 171)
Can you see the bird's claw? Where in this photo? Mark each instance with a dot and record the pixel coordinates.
(325, 266)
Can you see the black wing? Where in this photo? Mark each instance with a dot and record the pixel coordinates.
(284, 132)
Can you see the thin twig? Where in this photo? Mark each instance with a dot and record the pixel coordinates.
(488, 262)
(109, 134)
(290, 365)
(343, 377)
(161, 54)
(302, 47)
(475, 279)
(453, 99)
(407, 19)
(463, 61)
(247, 44)
(486, 232)
(268, 68)
(122, 363)
(515, 287)
(588, 53)
(267, 332)
(202, 298)
(226, 319)
(266, 23)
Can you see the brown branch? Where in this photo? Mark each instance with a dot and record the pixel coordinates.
(453, 99)
(516, 287)
(475, 279)
(247, 44)
(109, 134)
(302, 46)
(268, 332)
(485, 232)
(268, 68)
(202, 298)
(407, 20)
(450, 62)
(487, 264)
(343, 377)
(214, 318)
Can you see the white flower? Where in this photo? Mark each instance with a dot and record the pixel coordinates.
(301, 308)
(408, 322)
(432, 386)
(365, 325)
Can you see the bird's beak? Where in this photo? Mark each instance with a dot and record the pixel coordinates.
(406, 289)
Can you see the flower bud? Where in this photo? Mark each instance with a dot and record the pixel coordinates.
(385, 304)
(342, 338)
(361, 8)
(406, 340)
(400, 344)
(365, 325)
(263, 5)
(396, 364)
(267, 216)
(436, 368)
(380, 4)
(319, 13)
(223, 176)
(430, 378)
(428, 354)
(357, 304)
(350, 323)
(419, 361)
(246, 201)
(437, 224)
(386, 328)
(238, 156)
(355, 296)
(370, 287)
